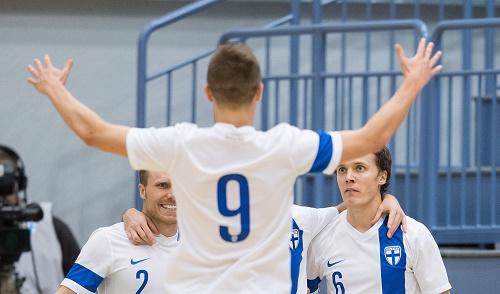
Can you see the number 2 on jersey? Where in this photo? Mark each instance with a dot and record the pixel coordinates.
(138, 276)
(243, 210)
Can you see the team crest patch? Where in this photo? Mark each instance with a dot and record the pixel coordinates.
(294, 239)
(392, 254)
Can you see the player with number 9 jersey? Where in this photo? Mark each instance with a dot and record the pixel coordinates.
(234, 187)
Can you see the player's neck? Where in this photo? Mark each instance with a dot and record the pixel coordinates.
(360, 216)
(239, 118)
(167, 230)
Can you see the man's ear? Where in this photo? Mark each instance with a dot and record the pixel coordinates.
(258, 93)
(383, 177)
(142, 191)
(208, 92)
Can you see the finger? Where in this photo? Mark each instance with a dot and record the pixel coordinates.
(390, 222)
(33, 71)
(149, 237)
(46, 58)
(399, 51)
(404, 224)
(421, 48)
(66, 70)
(38, 64)
(401, 55)
(134, 238)
(428, 50)
(144, 238)
(31, 81)
(437, 69)
(435, 58)
(68, 65)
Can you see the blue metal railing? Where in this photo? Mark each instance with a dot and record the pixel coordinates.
(446, 168)
(470, 182)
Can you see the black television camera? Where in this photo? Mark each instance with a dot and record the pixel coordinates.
(14, 238)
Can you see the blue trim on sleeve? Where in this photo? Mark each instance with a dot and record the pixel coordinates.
(84, 277)
(324, 155)
(296, 249)
(392, 260)
(313, 285)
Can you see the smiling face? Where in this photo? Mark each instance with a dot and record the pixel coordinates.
(359, 181)
(159, 200)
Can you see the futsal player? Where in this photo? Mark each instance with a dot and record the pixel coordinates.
(354, 255)
(109, 263)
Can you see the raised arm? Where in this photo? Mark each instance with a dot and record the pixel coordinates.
(375, 134)
(86, 124)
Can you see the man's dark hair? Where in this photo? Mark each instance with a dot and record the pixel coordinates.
(383, 161)
(143, 177)
(233, 75)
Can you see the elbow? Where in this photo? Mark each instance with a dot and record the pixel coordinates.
(374, 142)
(89, 138)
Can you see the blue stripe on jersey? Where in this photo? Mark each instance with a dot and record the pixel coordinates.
(84, 277)
(325, 151)
(392, 260)
(313, 285)
(296, 249)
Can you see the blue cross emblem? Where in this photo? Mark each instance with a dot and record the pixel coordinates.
(392, 254)
(294, 239)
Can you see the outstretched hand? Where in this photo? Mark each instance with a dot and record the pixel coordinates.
(45, 77)
(421, 67)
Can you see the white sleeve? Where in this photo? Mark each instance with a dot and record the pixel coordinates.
(312, 269)
(429, 268)
(320, 217)
(318, 151)
(337, 146)
(151, 149)
(92, 265)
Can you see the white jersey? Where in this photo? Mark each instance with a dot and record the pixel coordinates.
(353, 262)
(234, 190)
(109, 263)
(307, 223)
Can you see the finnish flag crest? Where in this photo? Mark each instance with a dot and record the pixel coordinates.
(392, 254)
(294, 239)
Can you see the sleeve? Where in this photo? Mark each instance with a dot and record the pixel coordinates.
(325, 155)
(152, 149)
(429, 268)
(320, 217)
(92, 265)
(69, 246)
(313, 271)
(337, 146)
